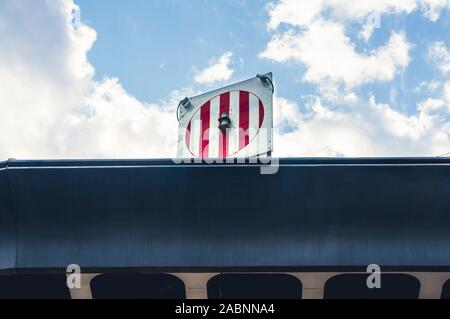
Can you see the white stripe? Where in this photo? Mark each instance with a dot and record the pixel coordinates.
(253, 126)
(195, 133)
(181, 144)
(233, 136)
(213, 149)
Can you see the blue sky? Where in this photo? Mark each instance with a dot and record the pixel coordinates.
(365, 78)
(168, 40)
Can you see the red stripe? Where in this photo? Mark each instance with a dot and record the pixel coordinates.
(261, 113)
(223, 138)
(204, 130)
(188, 136)
(244, 118)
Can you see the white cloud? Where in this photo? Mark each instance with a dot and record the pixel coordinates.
(330, 56)
(363, 128)
(350, 125)
(115, 124)
(50, 105)
(303, 13)
(314, 35)
(218, 70)
(432, 9)
(441, 56)
(438, 102)
(446, 94)
(294, 12)
(367, 30)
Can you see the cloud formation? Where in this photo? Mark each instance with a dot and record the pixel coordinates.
(314, 36)
(337, 122)
(361, 128)
(50, 104)
(218, 70)
(440, 56)
(52, 107)
(432, 9)
(330, 56)
(303, 13)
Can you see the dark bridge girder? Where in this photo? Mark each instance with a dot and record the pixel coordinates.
(156, 214)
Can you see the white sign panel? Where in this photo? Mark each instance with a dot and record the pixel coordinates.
(234, 121)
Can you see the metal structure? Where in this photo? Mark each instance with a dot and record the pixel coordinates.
(313, 220)
(234, 121)
(154, 214)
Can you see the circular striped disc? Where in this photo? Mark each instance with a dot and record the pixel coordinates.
(204, 138)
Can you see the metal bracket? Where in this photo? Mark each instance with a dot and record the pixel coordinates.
(185, 103)
(266, 80)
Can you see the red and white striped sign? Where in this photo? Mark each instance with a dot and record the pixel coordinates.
(203, 137)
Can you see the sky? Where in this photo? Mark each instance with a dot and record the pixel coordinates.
(102, 78)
